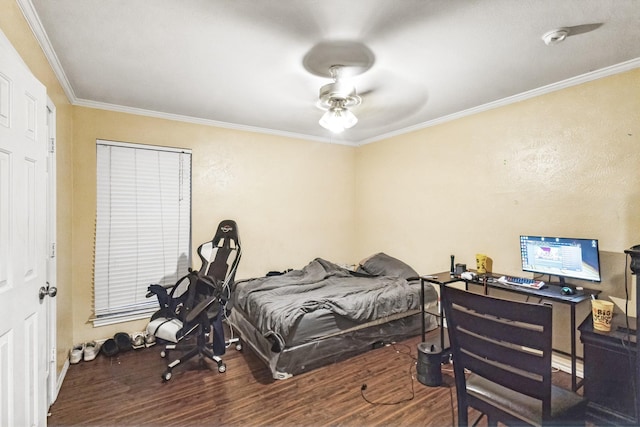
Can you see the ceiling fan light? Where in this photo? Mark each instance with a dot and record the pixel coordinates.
(338, 119)
(349, 119)
(330, 122)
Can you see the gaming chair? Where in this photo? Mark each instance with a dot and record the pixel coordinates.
(196, 305)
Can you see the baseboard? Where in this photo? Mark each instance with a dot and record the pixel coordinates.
(563, 363)
(61, 376)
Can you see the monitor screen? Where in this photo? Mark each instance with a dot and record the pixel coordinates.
(562, 257)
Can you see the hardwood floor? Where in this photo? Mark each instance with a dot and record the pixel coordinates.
(127, 389)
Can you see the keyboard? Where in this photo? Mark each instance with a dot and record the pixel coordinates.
(521, 281)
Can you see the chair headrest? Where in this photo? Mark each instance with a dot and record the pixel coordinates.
(227, 231)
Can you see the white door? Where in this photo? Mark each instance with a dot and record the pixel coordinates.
(23, 242)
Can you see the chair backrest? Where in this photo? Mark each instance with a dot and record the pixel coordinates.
(220, 256)
(505, 342)
(183, 297)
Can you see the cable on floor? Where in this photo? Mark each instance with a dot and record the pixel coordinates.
(363, 388)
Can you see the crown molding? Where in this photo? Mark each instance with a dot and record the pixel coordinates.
(35, 24)
(200, 121)
(573, 81)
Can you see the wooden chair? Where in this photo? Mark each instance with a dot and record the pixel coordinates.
(506, 347)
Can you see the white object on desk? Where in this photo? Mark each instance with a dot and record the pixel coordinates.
(467, 275)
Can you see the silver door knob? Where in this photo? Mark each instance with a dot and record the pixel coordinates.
(48, 290)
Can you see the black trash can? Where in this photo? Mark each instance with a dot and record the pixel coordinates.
(429, 364)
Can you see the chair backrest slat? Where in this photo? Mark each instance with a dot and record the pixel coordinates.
(501, 352)
(508, 309)
(501, 328)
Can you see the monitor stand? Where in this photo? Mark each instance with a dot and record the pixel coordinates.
(561, 283)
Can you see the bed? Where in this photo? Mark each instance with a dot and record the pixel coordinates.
(324, 312)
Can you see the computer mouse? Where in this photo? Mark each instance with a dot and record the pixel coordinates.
(567, 291)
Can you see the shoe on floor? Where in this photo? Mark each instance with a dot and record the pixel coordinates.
(137, 340)
(75, 356)
(149, 339)
(123, 341)
(91, 350)
(109, 347)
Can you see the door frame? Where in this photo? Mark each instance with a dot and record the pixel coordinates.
(52, 330)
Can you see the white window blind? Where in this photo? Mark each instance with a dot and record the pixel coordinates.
(143, 226)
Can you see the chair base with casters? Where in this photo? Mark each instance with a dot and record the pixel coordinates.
(196, 319)
(171, 332)
(233, 340)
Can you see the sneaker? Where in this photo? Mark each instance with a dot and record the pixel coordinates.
(137, 340)
(91, 350)
(75, 356)
(149, 339)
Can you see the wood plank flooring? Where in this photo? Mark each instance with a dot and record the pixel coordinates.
(127, 389)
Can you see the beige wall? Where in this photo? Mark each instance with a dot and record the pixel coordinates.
(565, 163)
(292, 199)
(16, 29)
(562, 164)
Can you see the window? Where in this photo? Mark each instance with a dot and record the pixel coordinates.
(143, 226)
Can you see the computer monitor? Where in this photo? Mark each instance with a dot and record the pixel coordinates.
(561, 257)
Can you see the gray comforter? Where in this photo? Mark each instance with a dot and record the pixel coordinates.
(274, 304)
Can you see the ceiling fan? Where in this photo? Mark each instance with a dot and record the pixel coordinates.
(336, 99)
(343, 60)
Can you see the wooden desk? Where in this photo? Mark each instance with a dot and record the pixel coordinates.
(550, 292)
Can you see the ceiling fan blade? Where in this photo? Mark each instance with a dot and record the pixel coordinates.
(367, 92)
(354, 58)
(581, 29)
(411, 98)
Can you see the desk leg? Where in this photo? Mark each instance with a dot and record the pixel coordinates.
(440, 314)
(574, 384)
(424, 326)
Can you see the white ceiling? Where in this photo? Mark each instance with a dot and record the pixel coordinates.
(240, 63)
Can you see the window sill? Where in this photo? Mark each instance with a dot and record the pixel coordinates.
(112, 319)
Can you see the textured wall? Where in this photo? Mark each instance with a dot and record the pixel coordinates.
(562, 164)
(292, 199)
(565, 163)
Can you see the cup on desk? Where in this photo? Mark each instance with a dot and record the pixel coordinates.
(481, 263)
(602, 312)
